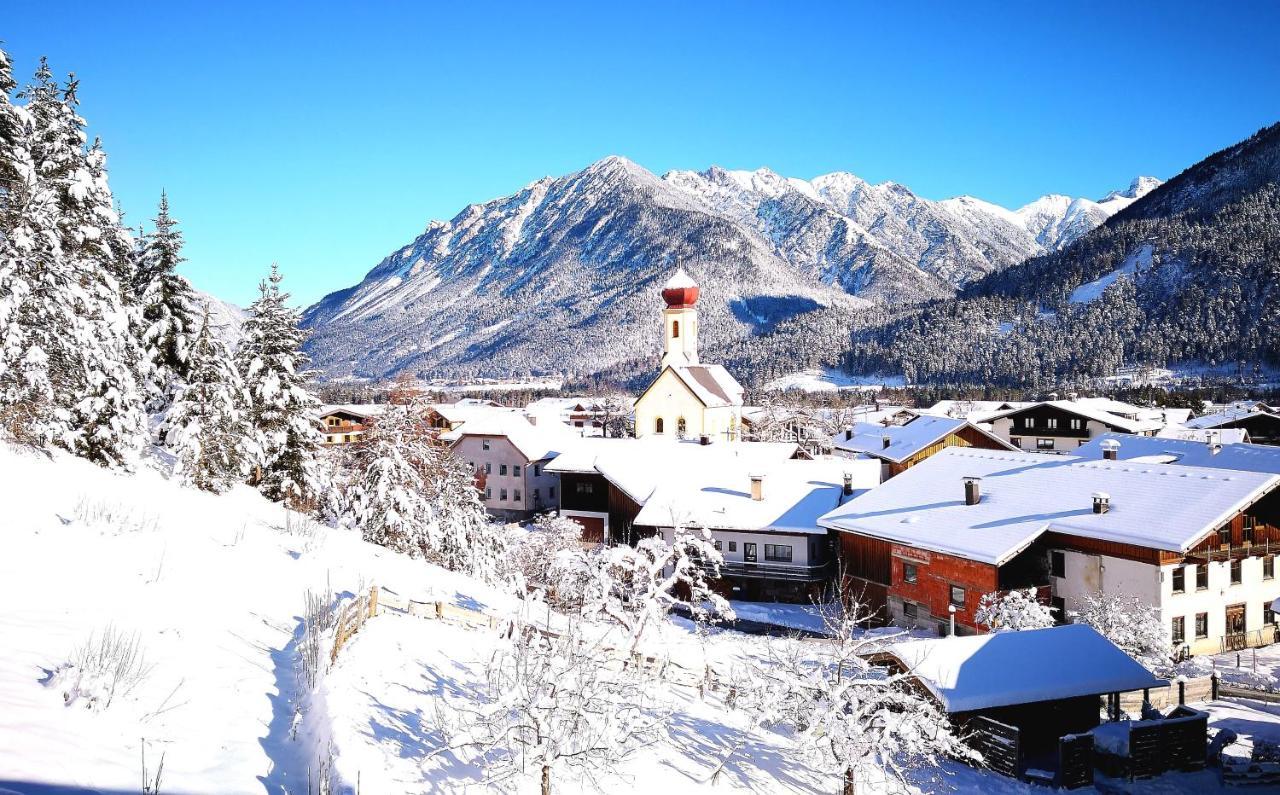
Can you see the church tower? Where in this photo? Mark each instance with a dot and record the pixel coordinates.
(680, 321)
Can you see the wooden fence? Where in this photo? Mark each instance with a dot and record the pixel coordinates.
(352, 617)
(1193, 691)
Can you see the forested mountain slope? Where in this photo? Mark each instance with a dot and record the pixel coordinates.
(563, 276)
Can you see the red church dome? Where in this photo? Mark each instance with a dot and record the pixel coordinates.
(680, 292)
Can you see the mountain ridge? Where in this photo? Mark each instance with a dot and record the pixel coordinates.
(588, 249)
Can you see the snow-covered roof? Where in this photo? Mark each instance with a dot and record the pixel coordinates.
(794, 494)
(904, 440)
(535, 442)
(678, 280)
(638, 466)
(465, 412)
(366, 410)
(973, 410)
(1158, 506)
(1001, 669)
(711, 384)
(1155, 449)
(1229, 415)
(1089, 411)
(1205, 435)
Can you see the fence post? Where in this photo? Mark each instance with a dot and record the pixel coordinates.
(440, 610)
(373, 601)
(1214, 685)
(1182, 691)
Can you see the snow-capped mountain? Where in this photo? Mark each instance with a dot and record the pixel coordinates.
(498, 289)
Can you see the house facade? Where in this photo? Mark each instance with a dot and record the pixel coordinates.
(1060, 426)
(905, 442)
(510, 457)
(347, 423)
(1197, 543)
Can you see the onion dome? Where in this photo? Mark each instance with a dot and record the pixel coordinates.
(680, 292)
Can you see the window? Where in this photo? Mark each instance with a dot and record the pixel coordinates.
(1180, 580)
(1029, 422)
(675, 329)
(502, 495)
(488, 493)
(488, 468)
(1058, 563)
(484, 444)
(1179, 629)
(1076, 425)
(537, 495)
(502, 469)
(537, 470)
(909, 573)
(778, 552)
(1202, 578)
(1269, 567)
(1051, 423)
(1248, 528)
(1268, 615)
(515, 470)
(957, 596)
(718, 545)
(515, 495)
(1044, 444)
(657, 425)
(1224, 535)
(1016, 441)
(584, 487)
(682, 427)
(1235, 572)
(551, 492)
(1202, 625)
(909, 611)
(733, 546)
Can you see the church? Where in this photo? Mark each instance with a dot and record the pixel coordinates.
(688, 399)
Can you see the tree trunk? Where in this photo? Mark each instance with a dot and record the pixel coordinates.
(848, 781)
(546, 780)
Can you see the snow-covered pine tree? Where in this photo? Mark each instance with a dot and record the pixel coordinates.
(206, 425)
(167, 304)
(283, 416)
(67, 360)
(410, 494)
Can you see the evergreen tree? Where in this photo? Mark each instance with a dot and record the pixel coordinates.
(67, 360)
(206, 424)
(167, 304)
(283, 416)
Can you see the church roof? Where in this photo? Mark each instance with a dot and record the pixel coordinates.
(679, 280)
(711, 384)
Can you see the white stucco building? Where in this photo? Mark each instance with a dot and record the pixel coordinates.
(688, 399)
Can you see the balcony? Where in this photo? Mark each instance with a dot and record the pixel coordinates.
(1226, 552)
(770, 570)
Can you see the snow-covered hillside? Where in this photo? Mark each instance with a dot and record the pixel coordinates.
(490, 292)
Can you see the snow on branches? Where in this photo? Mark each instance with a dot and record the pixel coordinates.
(1131, 624)
(1012, 611)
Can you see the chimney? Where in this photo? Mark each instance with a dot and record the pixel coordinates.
(1110, 449)
(848, 484)
(757, 487)
(848, 434)
(972, 490)
(1215, 442)
(704, 440)
(1101, 502)
(885, 441)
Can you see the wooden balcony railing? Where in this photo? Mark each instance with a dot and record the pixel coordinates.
(772, 570)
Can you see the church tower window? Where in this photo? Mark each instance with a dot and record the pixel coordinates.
(675, 329)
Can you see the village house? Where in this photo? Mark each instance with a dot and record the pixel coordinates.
(900, 445)
(510, 456)
(1260, 420)
(345, 424)
(1060, 426)
(762, 516)
(604, 482)
(1192, 541)
(688, 399)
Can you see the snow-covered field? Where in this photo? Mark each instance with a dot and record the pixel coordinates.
(212, 589)
(831, 380)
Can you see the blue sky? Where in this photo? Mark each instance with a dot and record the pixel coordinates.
(325, 135)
